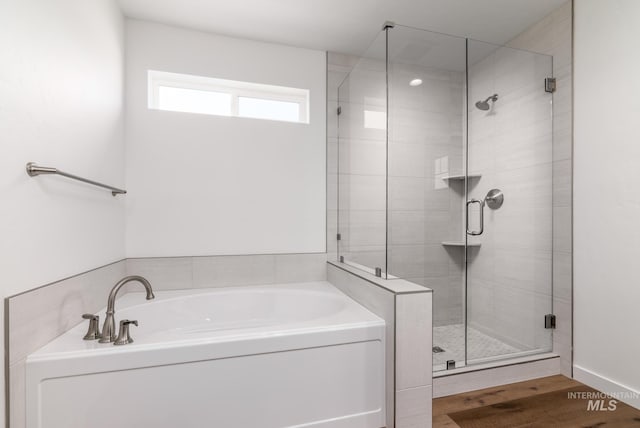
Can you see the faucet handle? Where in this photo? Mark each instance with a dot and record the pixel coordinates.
(123, 336)
(94, 327)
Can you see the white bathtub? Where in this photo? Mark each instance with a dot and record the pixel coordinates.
(302, 355)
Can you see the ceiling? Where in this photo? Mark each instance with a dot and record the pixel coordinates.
(346, 26)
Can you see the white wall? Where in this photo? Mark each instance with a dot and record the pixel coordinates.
(209, 185)
(606, 203)
(60, 105)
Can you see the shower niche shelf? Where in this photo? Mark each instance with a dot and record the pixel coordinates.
(460, 177)
(460, 244)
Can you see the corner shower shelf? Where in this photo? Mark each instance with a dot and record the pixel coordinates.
(460, 244)
(461, 176)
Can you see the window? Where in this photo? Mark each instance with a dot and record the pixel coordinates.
(220, 97)
(375, 119)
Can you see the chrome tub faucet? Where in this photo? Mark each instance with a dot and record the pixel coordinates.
(109, 327)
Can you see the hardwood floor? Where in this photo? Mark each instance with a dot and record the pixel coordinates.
(543, 403)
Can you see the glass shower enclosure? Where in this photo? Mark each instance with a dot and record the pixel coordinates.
(445, 179)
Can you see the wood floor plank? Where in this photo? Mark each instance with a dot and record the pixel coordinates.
(551, 409)
(498, 394)
(444, 421)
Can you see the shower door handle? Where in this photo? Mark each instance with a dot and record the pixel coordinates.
(474, 232)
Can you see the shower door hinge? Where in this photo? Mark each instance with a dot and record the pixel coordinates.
(549, 321)
(339, 110)
(550, 84)
(338, 237)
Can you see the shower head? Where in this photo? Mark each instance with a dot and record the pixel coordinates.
(484, 105)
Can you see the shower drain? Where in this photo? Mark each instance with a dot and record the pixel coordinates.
(437, 350)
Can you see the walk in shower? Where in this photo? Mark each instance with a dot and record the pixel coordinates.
(444, 178)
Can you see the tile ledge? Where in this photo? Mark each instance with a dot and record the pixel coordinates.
(396, 286)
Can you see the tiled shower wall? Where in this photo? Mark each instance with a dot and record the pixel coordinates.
(425, 144)
(510, 146)
(425, 130)
(421, 216)
(361, 156)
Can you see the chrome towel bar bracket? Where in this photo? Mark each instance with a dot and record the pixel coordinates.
(34, 170)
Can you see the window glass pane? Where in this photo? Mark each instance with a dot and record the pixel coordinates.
(375, 119)
(194, 101)
(268, 109)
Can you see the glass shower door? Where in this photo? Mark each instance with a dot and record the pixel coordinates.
(445, 179)
(508, 203)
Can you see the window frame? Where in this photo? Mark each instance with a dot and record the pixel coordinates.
(235, 88)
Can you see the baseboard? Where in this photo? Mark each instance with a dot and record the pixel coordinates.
(617, 390)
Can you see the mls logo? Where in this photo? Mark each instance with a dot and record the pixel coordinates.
(599, 405)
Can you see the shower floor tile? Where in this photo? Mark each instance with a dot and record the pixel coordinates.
(451, 339)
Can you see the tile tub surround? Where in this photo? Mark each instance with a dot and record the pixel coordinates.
(406, 308)
(36, 317)
(172, 273)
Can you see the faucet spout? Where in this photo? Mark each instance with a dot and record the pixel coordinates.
(108, 329)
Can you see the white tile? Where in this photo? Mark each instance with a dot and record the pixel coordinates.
(436, 261)
(332, 117)
(562, 282)
(226, 271)
(363, 228)
(406, 160)
(368, 259)
(413, 340)
(362, 157)
(332, 156)
(562, 183)
(164, 273)
(442, 225)
(519, 317)
(406, 193)
(413, 408)
(562, 231)
(301, 267)
(473, 380)
(362, 192)
(524, 269)
(407, 261)
(38, 316)
(406, 227)
(459, 343)
(562, 334)
(332, 192)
